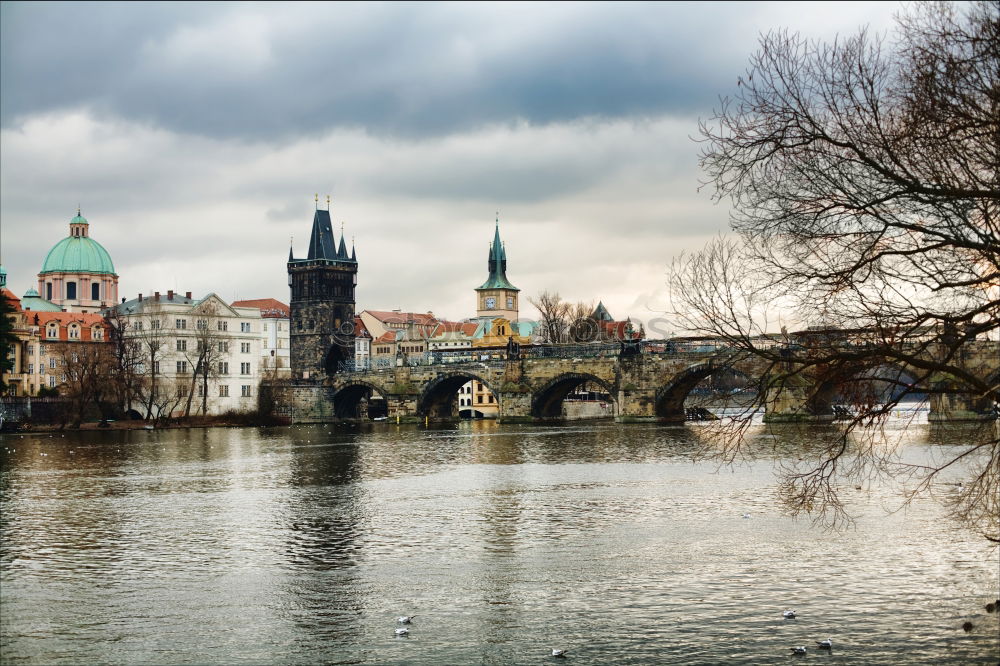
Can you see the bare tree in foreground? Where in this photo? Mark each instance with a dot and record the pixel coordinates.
(864, 177)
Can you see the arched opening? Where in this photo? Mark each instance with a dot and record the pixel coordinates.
(359, 401)
(843, 392)
(704, 391)
(335, 356)
(549, 402)
(448, 395)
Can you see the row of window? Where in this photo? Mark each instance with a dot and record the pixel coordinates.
(222, 347)
(95, 291)
(246, 391)
(73, 331)
(223, 367)
(463, 402)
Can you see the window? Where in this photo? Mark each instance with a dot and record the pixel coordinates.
(223, 391)
(74, 332)
(265, 327)
(223, 368)
(244, 368)
(182, 345)
(244, 347)
(154, 323)
(156, 367)
(182, 391)
(182, 367)
(245, 391)
(52, 362)
(244, 327)
(201, 324)
(181, 323)
(223, 347)
(201, 390)
(52, 331)
(223, 325)
(48, 291)
(52, 381)
(30, 349)
(31, 368)
(95, 291)
(138, 325)
(41, 368)
(41, 349)
(97, 333)
(71, 291)
(279, 325)
(201, 346)
(75, 357)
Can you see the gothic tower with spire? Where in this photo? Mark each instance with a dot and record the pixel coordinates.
(497, 297)
(322, 302)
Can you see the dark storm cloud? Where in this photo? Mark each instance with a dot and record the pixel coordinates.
(267, 71)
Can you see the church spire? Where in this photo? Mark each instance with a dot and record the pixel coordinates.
(497, 263)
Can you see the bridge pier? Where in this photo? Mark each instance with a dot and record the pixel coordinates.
(786, 403)
(947, 407)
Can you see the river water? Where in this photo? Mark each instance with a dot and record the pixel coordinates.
(303, 544)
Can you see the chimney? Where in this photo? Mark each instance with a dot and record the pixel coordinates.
(170, 294)
(156, 296)
(140, 298)
(187, 295)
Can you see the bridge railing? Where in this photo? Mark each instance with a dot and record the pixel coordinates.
(497, 357)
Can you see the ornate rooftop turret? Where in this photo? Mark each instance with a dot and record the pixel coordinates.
(497, 264)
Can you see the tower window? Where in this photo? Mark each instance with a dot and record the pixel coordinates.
(95, 291)
(48, 291)
(71, 291)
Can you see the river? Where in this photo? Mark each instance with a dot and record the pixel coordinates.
(303, 544)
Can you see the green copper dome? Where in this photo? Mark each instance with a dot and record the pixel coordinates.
(78, 254)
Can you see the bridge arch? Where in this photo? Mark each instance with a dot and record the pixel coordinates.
(547, 401)
(437, 400)
(860, 385)
(347, 399)
(669, 402)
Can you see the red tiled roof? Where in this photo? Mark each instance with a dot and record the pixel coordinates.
(14, 300)
(420, 318)
(360, 330)
(388, 336)
(87, 321)
(269, 308)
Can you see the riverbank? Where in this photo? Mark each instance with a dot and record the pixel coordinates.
(223, 421)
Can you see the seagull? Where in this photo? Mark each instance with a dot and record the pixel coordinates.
(402, 631)
(746, 515)
(798, 650)
(558, 653)
(789, 615)
(825, 645)
(405, 619)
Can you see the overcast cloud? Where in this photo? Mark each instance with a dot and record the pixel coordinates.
(195, 135)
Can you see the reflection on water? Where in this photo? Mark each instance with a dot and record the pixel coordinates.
(302, 545)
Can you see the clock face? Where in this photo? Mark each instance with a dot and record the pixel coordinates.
(491, 303)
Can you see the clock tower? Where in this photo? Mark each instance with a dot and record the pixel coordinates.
(497, 297)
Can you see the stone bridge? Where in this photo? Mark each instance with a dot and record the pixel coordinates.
(648, 383)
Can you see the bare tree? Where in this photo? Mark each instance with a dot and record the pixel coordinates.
(149, 330)
(554, 312)
(125, 382)
(210, 348)
(864, 177)
(88, 369)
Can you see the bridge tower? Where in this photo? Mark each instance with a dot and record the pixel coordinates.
(322, 301)
(497, 297)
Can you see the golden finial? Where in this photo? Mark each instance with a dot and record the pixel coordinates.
(328, 202)
(341, 227)
(317, 200)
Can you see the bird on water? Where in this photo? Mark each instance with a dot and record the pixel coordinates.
(825, 645)
(558, 653)
(405, 619)
(789, 615)
(798, 650)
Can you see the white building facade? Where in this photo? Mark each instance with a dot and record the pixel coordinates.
(176, 335)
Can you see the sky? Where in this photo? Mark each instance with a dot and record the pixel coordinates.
(194, 137)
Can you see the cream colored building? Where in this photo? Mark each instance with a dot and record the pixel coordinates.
(172, 328)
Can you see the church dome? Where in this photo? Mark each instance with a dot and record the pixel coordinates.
(78, 254)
